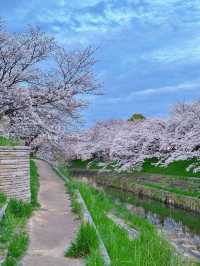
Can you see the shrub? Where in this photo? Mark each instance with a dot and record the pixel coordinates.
(20, 208)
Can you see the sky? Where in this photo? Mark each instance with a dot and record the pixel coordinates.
(149, 50)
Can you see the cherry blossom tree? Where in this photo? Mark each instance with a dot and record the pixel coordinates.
(41, 84)
(128, 144)
(125, 143)
(181, 140)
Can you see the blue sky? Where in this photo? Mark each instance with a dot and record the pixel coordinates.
(149, 56)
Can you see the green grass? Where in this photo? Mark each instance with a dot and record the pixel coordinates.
(64, 170)
(194, 194)
(2, 199)
(20, 209)
(13, 235)
(84, 243)
(80, 164)
(177, 168)
(18, 245)
(188, 219)
(149, 249)
(4, 141)
(174, 178)
(95, 258)
(34, 184)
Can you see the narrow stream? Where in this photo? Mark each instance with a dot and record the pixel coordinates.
(181, 228)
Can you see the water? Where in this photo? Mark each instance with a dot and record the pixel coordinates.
(181, 228)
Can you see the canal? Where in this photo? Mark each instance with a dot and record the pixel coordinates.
(180, 227)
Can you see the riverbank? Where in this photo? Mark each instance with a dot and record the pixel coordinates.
(149, 247)
(164, 189)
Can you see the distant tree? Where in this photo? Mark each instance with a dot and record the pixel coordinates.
(136, 117)
(129, 144)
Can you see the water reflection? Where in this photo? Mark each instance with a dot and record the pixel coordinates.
(181, 228)
(178, 234)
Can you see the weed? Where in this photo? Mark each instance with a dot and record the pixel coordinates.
(20, 209)
(10, 262)
(34, 183)
(2, 199)
(83, 244)
(18, 246)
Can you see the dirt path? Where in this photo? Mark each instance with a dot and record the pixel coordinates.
(52, 227)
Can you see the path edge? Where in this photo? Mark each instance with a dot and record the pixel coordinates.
(86, 214)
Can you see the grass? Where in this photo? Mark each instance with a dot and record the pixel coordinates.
(34, 184)
(80, 164)
(95, 258)
(177, 168)
(4, 141)
(13, 235)
(195, 194)
(64, 170)
(149, 249)
(192, 221)
(20, 209)
(2, 199)
(174, 178)
(18, 245)
(84, 243)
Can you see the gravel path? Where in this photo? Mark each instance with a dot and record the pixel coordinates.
(52, 227)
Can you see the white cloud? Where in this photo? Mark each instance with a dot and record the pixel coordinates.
(188, 51)
(170, 89)
(183, 87)
(78, 16)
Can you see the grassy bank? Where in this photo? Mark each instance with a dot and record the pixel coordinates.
(86, 244)
(171, 184)
(176, 190)
(139, 186)
(188, 219)
(148, 249)
(176, 169)
(4, 141)
(173, 178)
(13, 232)
(13, 236)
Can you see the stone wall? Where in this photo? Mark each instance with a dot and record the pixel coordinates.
(14, 172)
